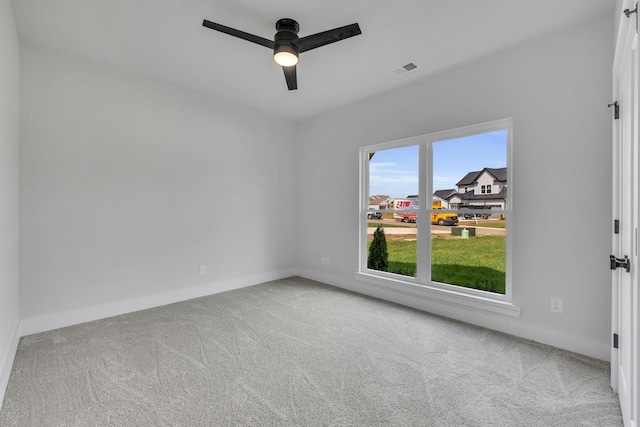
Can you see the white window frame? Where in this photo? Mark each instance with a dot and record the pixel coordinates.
(422, 286)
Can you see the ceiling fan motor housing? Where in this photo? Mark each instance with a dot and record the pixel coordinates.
(287, 24)
(287, 32)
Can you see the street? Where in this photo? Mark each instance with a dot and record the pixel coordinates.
(410, 228)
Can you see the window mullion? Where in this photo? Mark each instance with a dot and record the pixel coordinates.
(423, 224)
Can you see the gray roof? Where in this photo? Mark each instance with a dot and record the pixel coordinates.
(379, 198)
(499, 174)
(444, 194)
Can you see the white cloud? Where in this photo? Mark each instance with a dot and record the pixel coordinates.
(391, 179)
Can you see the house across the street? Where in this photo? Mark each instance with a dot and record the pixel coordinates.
(380, 202)
(486, 189)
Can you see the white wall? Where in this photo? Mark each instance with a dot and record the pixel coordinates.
(127, 186)
(557, 90)
(620, 5)
(9, 126)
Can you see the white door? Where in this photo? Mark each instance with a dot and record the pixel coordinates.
(624, 359)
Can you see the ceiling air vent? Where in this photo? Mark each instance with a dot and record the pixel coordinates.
(404, 69)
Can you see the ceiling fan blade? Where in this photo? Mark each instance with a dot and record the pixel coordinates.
(237, 33)
(291, 77)
(320, 39)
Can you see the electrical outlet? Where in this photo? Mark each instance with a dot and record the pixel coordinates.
(324, 261)
(556, 305)
(203, 270)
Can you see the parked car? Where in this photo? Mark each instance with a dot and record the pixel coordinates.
(467, 213)
(374, 214)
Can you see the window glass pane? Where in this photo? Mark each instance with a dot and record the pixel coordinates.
(472, 255)
(393, 179)
(469, 177)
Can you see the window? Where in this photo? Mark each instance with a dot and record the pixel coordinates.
(442, 242)
(395, 172)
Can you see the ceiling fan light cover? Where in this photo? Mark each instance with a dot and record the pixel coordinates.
(285, 55)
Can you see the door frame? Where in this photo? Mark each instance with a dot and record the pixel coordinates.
(627, 39)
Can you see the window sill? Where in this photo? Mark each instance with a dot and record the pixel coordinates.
(445, 296)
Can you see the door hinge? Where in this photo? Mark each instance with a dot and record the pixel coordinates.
(628, 13)
(616, 263)
(616, 109)
(615, 340)
(616, 226)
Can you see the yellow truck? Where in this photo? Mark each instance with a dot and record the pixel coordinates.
(442, 218)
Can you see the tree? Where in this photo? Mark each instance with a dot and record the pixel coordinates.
(378, 256)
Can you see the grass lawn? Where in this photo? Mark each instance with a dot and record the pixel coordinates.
(478, 262)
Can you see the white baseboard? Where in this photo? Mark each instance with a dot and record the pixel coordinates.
(49, 322)
(7, 363)
(518, 328)
(573, 343)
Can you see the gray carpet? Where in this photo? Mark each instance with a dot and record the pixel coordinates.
(298, 353)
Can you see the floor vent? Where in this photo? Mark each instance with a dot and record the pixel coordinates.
(404, 69)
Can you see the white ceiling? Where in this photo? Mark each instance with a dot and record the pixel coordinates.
(164, 40)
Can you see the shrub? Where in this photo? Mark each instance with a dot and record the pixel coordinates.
(378, 256)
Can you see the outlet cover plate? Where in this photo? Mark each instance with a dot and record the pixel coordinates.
(556, 305)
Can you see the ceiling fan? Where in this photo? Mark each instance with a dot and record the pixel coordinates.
(287, 45)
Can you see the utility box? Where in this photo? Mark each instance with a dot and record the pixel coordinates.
(457, 231)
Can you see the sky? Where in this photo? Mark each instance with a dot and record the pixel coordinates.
(395, 172)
